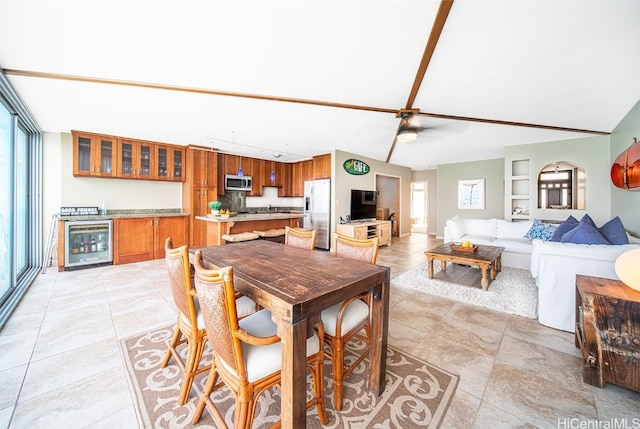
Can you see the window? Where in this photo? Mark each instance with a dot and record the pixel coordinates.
(20, 206)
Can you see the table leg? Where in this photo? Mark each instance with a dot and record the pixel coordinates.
(493, 270)
(294, 374)
(379, 334)
(430, 267)
(485, 276)
(499, 263)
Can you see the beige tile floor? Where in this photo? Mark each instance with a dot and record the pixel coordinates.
(60, 363)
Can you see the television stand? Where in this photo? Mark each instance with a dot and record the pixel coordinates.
(367, 229)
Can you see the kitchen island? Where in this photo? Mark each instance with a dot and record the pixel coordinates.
(217, 226)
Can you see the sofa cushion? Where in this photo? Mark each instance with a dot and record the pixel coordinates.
(540, 230)
(514, 245)
(487, 227)
(614, 231)
(456, 227)
(508, 229)
(566, 226)
(585, 233)
(479, 239)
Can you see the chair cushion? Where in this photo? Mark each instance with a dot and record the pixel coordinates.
(245, 306)
(271, 232)
(355, 313)
(243, 236)
(264, 360)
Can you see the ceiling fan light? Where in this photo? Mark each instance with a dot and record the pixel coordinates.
(407, 135)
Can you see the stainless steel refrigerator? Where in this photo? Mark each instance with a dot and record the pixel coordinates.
(317, 210)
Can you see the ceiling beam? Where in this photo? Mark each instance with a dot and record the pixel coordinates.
(429, 49)
(513, 124)
(45, 75)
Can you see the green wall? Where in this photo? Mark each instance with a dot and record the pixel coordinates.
(591, 153)
(626, 204)
(492, 171)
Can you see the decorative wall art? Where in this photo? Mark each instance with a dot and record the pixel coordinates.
(471, 194)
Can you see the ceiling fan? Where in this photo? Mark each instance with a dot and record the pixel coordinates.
(407, 130)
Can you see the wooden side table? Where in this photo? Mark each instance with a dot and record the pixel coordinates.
(608, 332)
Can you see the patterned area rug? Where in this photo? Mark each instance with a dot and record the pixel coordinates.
(416, 395)
(513, 291)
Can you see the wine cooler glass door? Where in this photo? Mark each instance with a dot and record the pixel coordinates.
(88, 243)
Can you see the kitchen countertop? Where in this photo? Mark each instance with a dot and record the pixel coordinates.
(117, 214)
(250, 217)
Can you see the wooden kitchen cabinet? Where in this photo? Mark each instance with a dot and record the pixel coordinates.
(142, 238)
(94, 155)
(135, 159)
(287, 181)
(198, 189)
(322, 166)
(272, 167)
(169, 163)
(302, 172)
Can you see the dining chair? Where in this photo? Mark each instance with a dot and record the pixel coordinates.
(298, 237)
(347, 319)
(189, 327)
(246, 353)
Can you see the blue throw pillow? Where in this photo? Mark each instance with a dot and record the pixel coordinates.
(585, 233)
(541, 230)
(614, 232)
(564, 227)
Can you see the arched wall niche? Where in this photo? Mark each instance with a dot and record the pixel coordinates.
(562, 185)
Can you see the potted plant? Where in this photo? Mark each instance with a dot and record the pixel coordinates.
(215, 207)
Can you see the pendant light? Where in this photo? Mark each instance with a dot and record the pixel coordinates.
(272, 176)
(240, 172)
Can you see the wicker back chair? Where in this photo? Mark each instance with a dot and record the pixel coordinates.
(246, 353)
(298, 237)
(188, 329)
(346, 320)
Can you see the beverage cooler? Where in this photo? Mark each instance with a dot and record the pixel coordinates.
(88, 243)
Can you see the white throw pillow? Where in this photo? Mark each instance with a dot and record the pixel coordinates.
(487, 227)
(508, 229)
(456, 227)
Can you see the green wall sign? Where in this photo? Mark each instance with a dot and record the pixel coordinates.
(356, 167)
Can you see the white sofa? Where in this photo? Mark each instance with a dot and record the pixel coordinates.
(554, 266)
(494, 232)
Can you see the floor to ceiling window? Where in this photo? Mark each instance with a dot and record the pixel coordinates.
(20, 199)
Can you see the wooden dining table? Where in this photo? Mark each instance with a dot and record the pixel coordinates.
(296, 285)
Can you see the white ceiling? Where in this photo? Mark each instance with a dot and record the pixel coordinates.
(563, 64)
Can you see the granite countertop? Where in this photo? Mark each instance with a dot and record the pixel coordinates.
(115, 214)
(250, 217)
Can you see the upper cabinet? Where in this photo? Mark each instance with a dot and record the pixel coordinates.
(322, 166)
(94, 155)
(108, 156)
(169, 163)
(302, 172)
(135, 160)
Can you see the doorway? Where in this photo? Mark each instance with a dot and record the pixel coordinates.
(419, 207)
(388, 189)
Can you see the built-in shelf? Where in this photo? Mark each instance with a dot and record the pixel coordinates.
(518, 190)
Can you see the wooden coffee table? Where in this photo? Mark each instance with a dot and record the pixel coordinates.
(488, 258)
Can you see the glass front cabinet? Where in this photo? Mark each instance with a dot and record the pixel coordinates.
(107, 156)
(94, 155)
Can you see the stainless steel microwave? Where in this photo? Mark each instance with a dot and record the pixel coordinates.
(237, 183)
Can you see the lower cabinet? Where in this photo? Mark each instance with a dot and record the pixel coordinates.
(364, 230)
(142, 239)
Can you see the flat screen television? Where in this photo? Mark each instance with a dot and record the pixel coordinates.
(363, 204)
